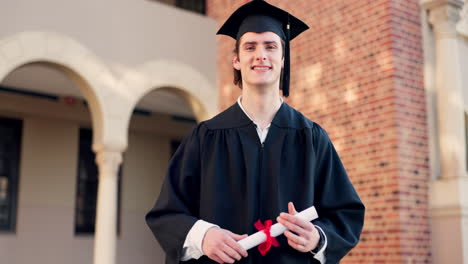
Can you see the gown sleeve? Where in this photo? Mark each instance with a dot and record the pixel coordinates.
(173, 214)
(341, 212)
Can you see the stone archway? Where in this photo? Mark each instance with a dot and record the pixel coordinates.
(111, 101)
(97, 85)
(67, 55)
(189, 83)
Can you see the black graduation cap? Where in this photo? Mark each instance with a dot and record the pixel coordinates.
(258, 16)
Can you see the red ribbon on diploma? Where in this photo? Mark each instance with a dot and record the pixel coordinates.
(265, 246)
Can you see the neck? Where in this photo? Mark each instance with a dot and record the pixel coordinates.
(261, 104)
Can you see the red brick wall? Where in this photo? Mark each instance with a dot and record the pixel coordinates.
(413, 149)
(358, 73)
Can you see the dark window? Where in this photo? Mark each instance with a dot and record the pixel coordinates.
(192, 5)
(87, 187)
(10, 141)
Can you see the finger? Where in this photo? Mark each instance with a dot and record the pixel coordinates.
(293, 227)
(224, 257)
(296, 246)
(297, 221)
(217, 259)
(237, 247)
(291, 208)
(292, 243)
(231, 252)
(236, 236)
(295, 238)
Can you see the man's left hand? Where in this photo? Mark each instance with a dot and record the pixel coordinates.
(302, 235)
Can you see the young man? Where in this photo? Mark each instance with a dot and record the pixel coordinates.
(258, 160)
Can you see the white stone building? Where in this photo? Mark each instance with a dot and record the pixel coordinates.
(134, 76)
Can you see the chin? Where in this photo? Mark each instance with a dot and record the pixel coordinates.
(260, 81)
(263, 83)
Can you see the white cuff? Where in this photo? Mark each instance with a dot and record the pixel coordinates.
(320, 255)
(192, 248)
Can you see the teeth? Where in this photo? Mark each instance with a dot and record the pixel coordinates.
(261, 68)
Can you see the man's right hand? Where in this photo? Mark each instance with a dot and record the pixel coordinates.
(221, 245)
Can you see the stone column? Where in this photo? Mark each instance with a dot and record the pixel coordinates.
(449, 75)
(106, 216)
(462, 26)
(448, 198)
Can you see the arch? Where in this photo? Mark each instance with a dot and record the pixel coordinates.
(186, 81)
(67, 55)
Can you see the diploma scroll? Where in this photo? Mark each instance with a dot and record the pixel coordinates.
(277, 229)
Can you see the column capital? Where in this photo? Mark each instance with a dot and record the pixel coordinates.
(444, 19)
(108, 161)
(431, 4)
(462, 25)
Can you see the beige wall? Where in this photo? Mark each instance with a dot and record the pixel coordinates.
(121, 32)
(447, 230)
(47, 184)
(143, 170)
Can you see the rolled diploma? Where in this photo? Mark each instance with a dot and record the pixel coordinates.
(277, 229)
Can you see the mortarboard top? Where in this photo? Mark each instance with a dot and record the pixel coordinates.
(258, 16)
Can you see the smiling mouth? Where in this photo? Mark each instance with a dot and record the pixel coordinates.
(261, 68)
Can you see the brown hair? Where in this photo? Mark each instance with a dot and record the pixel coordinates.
(237, 74)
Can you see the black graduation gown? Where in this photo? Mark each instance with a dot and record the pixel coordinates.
(222, 174)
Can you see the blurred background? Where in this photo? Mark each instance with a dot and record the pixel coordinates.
(95, 96)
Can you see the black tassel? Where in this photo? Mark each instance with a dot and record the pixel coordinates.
(286, 70)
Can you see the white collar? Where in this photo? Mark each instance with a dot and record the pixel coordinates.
(240, 105)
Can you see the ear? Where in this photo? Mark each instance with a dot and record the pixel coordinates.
(282, 63)
(236, 62)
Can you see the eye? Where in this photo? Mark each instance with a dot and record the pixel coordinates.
(249, 47)
(271, 47)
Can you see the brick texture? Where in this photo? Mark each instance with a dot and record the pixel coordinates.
(358, 72)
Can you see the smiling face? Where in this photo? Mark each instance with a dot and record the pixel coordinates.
(259, 59)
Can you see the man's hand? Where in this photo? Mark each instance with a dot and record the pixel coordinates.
(221, 245)
(302, 235)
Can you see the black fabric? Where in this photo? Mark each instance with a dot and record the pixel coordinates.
(233, 23)
(222, 174)
(260, 24)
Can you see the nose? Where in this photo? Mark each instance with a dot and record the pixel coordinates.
(260, 55)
